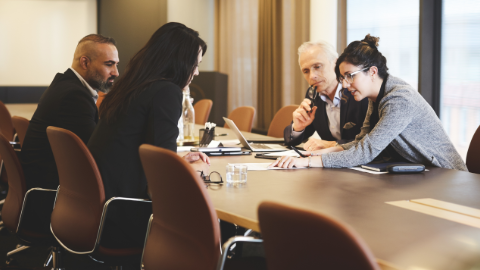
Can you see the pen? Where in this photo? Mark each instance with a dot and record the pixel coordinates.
(224, 134)
(296, 150)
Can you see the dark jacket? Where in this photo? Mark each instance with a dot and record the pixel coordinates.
(352, 115)
(152, 118)
(67, 104)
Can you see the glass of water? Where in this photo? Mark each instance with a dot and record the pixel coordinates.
(236, 174)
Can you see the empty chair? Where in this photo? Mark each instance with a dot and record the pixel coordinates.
(20, 211)
(300, 239)
(183, 232)
(243, 118)
(473, 153)
(101, 96)
(281, 120)
(79, 218)
(6, 125)
(21, 125)
(6, 128)
(202, 111)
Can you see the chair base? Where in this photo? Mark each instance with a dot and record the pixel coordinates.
(55, 257)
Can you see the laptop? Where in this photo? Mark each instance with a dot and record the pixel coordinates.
(255, 147)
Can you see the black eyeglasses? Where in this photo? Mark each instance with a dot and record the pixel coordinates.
(213, 178)
(311, 95)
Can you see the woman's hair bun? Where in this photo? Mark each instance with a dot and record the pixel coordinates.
(371, 41)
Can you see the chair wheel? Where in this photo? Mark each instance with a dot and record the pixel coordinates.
(11, 261)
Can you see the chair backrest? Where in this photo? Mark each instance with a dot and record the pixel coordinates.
(16, 185)
(313, 241)
(282, 119)
(184, 233)
(473, 153)
(6, 126)
(21, 125)
(202, 111)
(101, 97)
(80, 199)
(243, 118)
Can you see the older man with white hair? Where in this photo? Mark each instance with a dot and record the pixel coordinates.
(327, 108)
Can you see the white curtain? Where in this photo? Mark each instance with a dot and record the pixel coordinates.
(237, 39)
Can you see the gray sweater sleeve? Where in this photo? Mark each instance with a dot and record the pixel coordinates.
(395, 113)
(409, 124)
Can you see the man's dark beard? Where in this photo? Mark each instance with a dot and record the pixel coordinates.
(96, 82)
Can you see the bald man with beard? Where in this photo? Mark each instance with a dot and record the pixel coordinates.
(69, 103)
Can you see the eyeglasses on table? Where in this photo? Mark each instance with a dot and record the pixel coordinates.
(212, 178)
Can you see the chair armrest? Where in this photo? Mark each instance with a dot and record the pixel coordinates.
(229, 243)
(138, 209)
(29, 217)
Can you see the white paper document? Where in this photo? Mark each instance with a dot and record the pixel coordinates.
(230, 141)
(261, 166)
(289, 153)
(184, 148)
(365, 170)
(213, 143)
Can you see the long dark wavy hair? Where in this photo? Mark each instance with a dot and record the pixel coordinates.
(363, 53)
(171, 54)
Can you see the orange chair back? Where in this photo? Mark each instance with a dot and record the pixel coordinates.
(6, 126)
(80, 199)
(202, 111)
(184, 233)
(282, 119)
(473, 153)
(243, 118)
(101, 96)
(313, 241)
(16, 185)
(21, 125)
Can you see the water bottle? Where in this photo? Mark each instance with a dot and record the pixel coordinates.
(188, 116)
(180, 130)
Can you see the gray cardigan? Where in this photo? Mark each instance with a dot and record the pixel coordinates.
(409, 124)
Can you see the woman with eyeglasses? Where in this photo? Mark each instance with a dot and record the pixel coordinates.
(144, 106)
(399, 126)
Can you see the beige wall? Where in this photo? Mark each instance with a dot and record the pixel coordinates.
(38, 38)
(198, 15)
(33, 50)
(131, 24)
(323, 21)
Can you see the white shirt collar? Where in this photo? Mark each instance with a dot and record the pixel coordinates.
(337, 98)
(92, 91)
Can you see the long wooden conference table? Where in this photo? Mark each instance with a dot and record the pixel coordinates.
(404, 238)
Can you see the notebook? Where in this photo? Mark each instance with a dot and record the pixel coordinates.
(255, 147)
(382, 167)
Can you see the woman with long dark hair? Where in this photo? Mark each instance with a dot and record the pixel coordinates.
(399, 126)
(144, 106)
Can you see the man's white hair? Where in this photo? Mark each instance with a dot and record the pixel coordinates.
(325, 46)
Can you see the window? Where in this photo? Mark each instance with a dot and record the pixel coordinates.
(396, 23)
(460, 73)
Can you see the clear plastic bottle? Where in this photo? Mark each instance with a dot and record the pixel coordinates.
(188, 116)
(180, 130)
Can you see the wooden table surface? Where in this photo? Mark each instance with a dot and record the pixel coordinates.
(407, 239)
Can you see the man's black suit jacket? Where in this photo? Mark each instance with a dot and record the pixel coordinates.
(68, 104)
(352, 115)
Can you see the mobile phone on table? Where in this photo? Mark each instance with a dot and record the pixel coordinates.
(296, 150)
